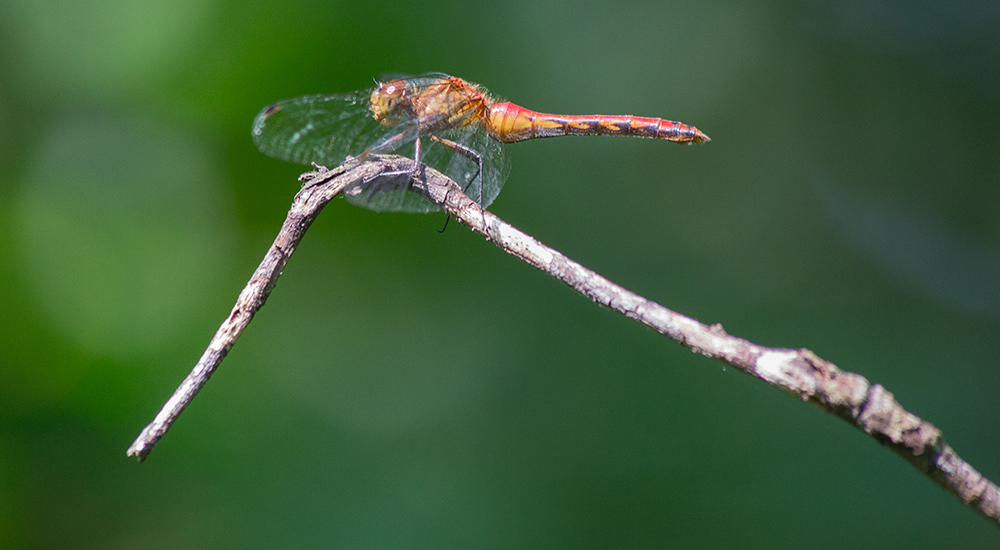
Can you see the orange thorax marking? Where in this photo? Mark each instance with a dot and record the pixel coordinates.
(449, 103)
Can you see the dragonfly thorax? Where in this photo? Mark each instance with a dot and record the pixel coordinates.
(435, 104)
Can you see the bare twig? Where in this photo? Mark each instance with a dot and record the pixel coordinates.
(869, 407)
(319, 188)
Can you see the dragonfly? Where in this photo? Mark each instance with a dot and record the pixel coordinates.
(441, 121)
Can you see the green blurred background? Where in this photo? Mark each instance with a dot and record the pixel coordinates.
(405, 389)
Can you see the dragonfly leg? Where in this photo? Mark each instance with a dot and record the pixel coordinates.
(469, 154)
(389, 145)
(416, 159)
(474, 157)
(395, 177)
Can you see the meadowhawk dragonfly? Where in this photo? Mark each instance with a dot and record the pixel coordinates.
(441, 121)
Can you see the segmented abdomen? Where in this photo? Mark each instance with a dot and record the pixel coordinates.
(510, 123)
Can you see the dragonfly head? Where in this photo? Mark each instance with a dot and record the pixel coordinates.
(387, 99)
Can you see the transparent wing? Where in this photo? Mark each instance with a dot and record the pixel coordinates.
(387, 76)
(324, 129)
(394, 193)
(482, 188)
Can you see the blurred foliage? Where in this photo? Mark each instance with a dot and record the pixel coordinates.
(408, 389)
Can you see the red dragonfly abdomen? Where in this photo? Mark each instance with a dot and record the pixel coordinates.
(509, 123)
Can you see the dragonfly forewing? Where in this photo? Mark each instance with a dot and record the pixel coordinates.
(324, 129)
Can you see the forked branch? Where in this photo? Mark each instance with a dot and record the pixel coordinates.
(868, 407)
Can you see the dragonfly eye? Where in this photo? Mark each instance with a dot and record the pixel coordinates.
(385, 102)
